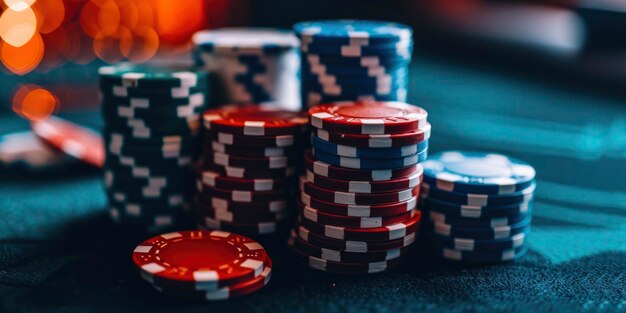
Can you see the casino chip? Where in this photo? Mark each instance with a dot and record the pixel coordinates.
(354, 59)
(477, 206)
(152, 118)
(358, 201)
(247, 168)
(71, 139)
(251, 65)
(210, 265)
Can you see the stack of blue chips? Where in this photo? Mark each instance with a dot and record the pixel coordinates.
(250, 65)
(477, 206)
(354, 60)
(152, 122)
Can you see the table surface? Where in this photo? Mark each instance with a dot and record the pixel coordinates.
(60, 253)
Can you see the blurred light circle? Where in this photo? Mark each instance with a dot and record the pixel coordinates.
(18, 27)
(56, 44)
(50, 15)
(23, 59)
(19, 5)
(113, 48)
(80, 45)
(37, 104)
(145, 44)
(108, 17)
(89, 19)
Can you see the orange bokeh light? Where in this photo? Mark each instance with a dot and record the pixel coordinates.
(108, 17)
(18, 27)
(145, 44)
(176, 21)
(19, 5)
(21, 60)
(111, 46)
(50, 15)
(34, 103)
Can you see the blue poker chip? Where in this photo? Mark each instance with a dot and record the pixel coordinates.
(478, 233)
(241, 41)
(481, 173)
(482, 200)
(368, 163)
(403, 51)
(373, 153)
(466, 244)
(365, 61)
(439, 217)
(351, 72)
(350, 30)
(453, 210)
(482, 257)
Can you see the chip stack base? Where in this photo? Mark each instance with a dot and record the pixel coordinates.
(203, 265)
(152, 120)
(354, 60)
(358, 200)
(477, 206)
(248, 168)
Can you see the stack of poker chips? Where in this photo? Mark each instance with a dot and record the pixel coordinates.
(152, 121)
(348, 60)
(251, 65)
(357, 205)
(248, 167)
(477, 206)
(203, 265)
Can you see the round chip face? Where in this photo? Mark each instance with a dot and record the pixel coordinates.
(255, 120)
(210, 259)
(71, 139)
(245, 40)
(368, 117)
(354, 29)
(473, 172)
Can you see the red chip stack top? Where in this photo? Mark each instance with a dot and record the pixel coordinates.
(248, 166)
(358, 198)
(203, 265)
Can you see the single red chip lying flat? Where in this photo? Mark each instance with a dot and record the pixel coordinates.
(76, 141)
(208, 259)
(368, 117)
(254, 120)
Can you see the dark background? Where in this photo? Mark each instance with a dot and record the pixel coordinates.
(60, 253)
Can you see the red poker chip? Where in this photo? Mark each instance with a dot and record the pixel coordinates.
(350, 221)
(71, 139)
(387, 209)
(252, 141)
(273, 206)
(223, 159)
(375, 141)
(239, 217)
(255, 120)
(208, 259)
(346, 268)
(223, 293)
(251, 152)
(387, 233)
(357, 198)
(354, 246)
(367, 186)
(241, 195)
(248, 173)
(264, 228)
(214, 179)
(343, 173)
(368, 117)
(346, 257)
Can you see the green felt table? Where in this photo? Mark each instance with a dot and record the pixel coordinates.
(60, 253)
